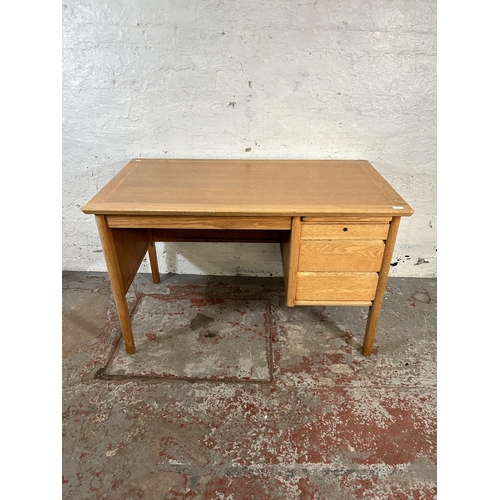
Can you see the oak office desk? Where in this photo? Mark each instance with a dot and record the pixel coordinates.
(336, 221)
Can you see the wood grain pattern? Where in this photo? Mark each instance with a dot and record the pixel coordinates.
(353, 255)
(336, 286)
(286, 248)
(331, 217)
(339, 303)
(153, 262)
(374, 312)
(131, 246)
(290, 257)
(249, 187)
(342, 219)
(344, 231)
(187, 222)
(115, 277)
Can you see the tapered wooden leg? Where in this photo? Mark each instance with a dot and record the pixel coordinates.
(374, 313)
(117, 282)
(153, 262)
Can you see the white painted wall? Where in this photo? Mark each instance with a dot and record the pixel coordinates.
(249, 79)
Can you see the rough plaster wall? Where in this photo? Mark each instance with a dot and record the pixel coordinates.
(249, 79)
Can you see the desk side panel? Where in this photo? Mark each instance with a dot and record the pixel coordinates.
(131, 246)
(123, 254)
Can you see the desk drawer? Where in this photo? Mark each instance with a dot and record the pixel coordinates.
(199, 222)
(335, 255)
(344, 231)
(330, 287)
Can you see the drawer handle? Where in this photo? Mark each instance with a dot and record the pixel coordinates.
(345, 229)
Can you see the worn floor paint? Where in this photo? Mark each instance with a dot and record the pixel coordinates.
(188, 335)
(254, 400)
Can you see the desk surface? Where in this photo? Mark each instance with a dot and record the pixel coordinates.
(248, 187)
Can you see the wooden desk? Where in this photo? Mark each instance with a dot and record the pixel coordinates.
(336, 221)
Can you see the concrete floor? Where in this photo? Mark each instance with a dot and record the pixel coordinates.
(233, 395)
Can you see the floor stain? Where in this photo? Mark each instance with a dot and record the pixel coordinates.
(252, 399)
(200, 321)
(422, 297)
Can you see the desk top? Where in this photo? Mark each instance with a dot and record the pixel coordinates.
(248, 187)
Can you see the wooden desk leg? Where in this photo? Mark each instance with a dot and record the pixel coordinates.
(153, 262)
(374, 313)
(115, 277)
(290, 257)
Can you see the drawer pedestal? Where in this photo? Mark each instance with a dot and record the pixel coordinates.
(340, 261)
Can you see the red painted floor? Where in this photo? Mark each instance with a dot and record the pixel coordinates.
(233, 395)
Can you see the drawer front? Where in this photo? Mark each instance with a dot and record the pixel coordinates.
(198, 222)
(336, 286)
(356, 255)
(345, 231)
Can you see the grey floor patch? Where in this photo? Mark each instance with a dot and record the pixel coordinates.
(209, 339)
